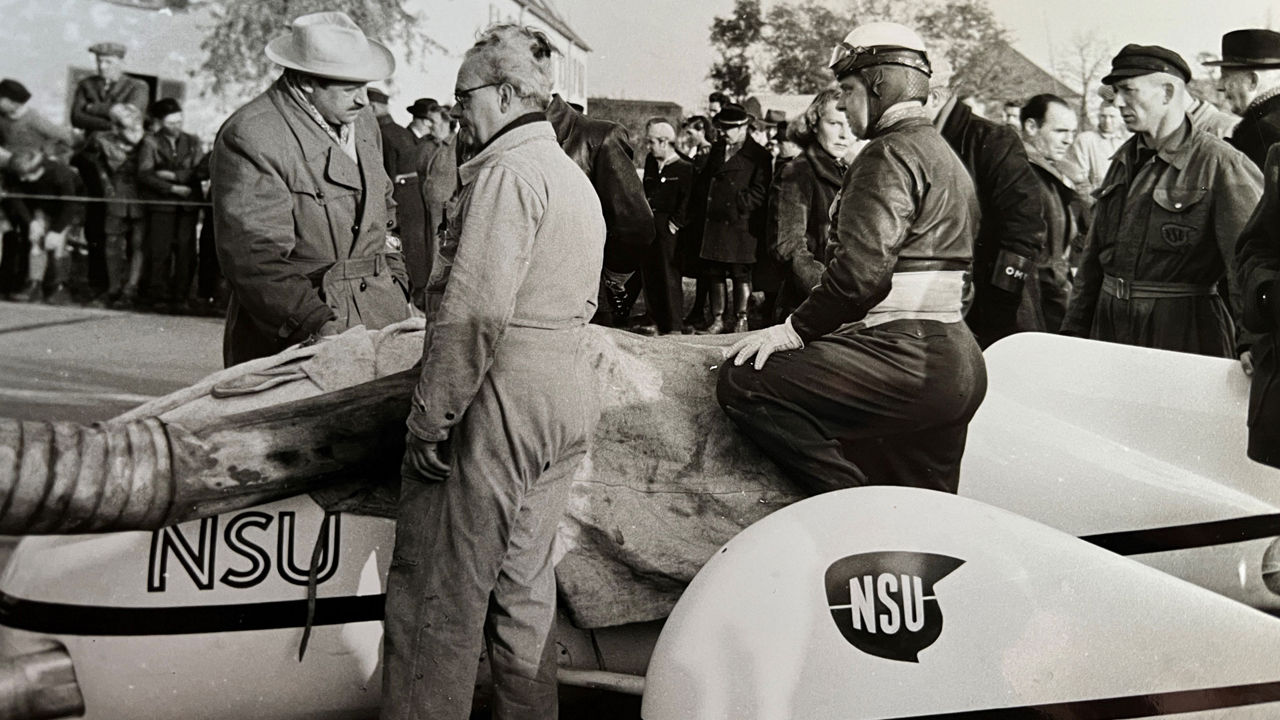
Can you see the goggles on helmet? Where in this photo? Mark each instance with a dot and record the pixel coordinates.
(846, 58)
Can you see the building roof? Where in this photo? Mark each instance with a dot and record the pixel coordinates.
(1036, 79)
(544, 11)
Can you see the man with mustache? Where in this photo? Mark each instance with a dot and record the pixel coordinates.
(301, 201)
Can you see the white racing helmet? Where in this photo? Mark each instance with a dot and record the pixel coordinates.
(879, 43)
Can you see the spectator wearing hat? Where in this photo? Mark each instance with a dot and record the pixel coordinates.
(400, 160)
(419, 118)
(730, 197)
(167, 172)
(1165, 223)
(91, 112)
(301, 200)
(1250, 81)
(1001, 297)
(668, 179)
(45, 221)
(22, 127)
(1257, 268)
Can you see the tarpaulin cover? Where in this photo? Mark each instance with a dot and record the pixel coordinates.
(668, 481)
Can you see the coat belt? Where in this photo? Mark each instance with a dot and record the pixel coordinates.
(1144, 290)
(356, 268)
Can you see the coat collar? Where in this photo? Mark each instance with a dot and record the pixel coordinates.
(530, 132)
(1047, 166)
(319, 150)
(826, 168)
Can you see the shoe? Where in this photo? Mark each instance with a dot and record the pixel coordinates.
(31, 292)
(649, 329)
(740, 326)
(60, 296)
(715, 328)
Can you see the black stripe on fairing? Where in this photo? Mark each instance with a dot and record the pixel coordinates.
(69, 619)
(1128, 706)
(1187, 537)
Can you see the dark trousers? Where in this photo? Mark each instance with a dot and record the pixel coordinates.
(171, 253)
(663, 289)
(95, 217)
(1264, 402)
(889, 405)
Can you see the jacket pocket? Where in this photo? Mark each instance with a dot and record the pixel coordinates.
(1178, 218)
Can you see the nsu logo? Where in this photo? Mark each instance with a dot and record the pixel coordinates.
(884, 604)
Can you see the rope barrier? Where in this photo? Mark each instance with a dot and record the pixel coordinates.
(84, 198)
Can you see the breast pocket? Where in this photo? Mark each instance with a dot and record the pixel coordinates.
(1178, 218)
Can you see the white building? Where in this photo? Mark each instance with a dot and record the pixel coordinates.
(47, 41)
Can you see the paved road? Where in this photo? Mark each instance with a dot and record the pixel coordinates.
(81, 364)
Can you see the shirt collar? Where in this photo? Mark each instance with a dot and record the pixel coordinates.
(1175, 149)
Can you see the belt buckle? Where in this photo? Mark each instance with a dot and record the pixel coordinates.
(1122, 288)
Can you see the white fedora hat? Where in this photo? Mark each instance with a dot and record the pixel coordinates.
(331, 45)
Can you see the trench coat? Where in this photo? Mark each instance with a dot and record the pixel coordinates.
(301, 228)
(1257, 265)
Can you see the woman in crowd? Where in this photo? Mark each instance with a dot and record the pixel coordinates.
(801, 196)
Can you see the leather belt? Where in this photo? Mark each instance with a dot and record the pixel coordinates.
(1143, 290)
(404, 177)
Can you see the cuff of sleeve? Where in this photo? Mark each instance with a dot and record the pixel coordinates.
(423, 430)
(296, 328)
(798, 326)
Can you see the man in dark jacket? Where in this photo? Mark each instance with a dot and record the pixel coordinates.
(400, 159)
(1257, 268)
(668, 179)
(45, 221)
(1048, 129)
(1166, 222)
(883, 376)
(301, 201)
(167, 161)
(603, 150)
(1250, 82)
(1003, 298)
(733, 192)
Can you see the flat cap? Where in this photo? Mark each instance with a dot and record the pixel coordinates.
(378, 96)
(731, 115)
(14, 90)
(1135, 60)
(107, 48)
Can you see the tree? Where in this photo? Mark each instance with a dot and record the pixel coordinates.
(1083, 62)
(800, 38)
(735, 37)
(242, 29)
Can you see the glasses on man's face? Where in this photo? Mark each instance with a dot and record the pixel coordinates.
(462, 96)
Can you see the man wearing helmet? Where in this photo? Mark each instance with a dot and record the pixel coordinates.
(874, 378)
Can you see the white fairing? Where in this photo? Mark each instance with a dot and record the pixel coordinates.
(1091, 437)
(146, 672)
(1030, 616)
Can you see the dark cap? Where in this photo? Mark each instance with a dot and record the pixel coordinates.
(423, 107)
(731, 115)
(163, 108)
(14, 90)
(1249, 49)
(1135, 60)
(112, 49)
(376, 95)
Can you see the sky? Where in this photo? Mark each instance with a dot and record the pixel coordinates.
(658, 49)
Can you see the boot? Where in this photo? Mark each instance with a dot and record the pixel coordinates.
(741, 303)
(61, 271)
(716, 298)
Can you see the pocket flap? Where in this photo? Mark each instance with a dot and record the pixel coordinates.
(1177, 199)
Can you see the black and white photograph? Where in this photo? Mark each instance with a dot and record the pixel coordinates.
(651, 360)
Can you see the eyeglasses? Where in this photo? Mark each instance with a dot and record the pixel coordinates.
(461, 96)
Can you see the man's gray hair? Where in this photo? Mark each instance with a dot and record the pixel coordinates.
(518, 56)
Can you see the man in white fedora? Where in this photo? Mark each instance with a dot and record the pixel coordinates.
(301, 203)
